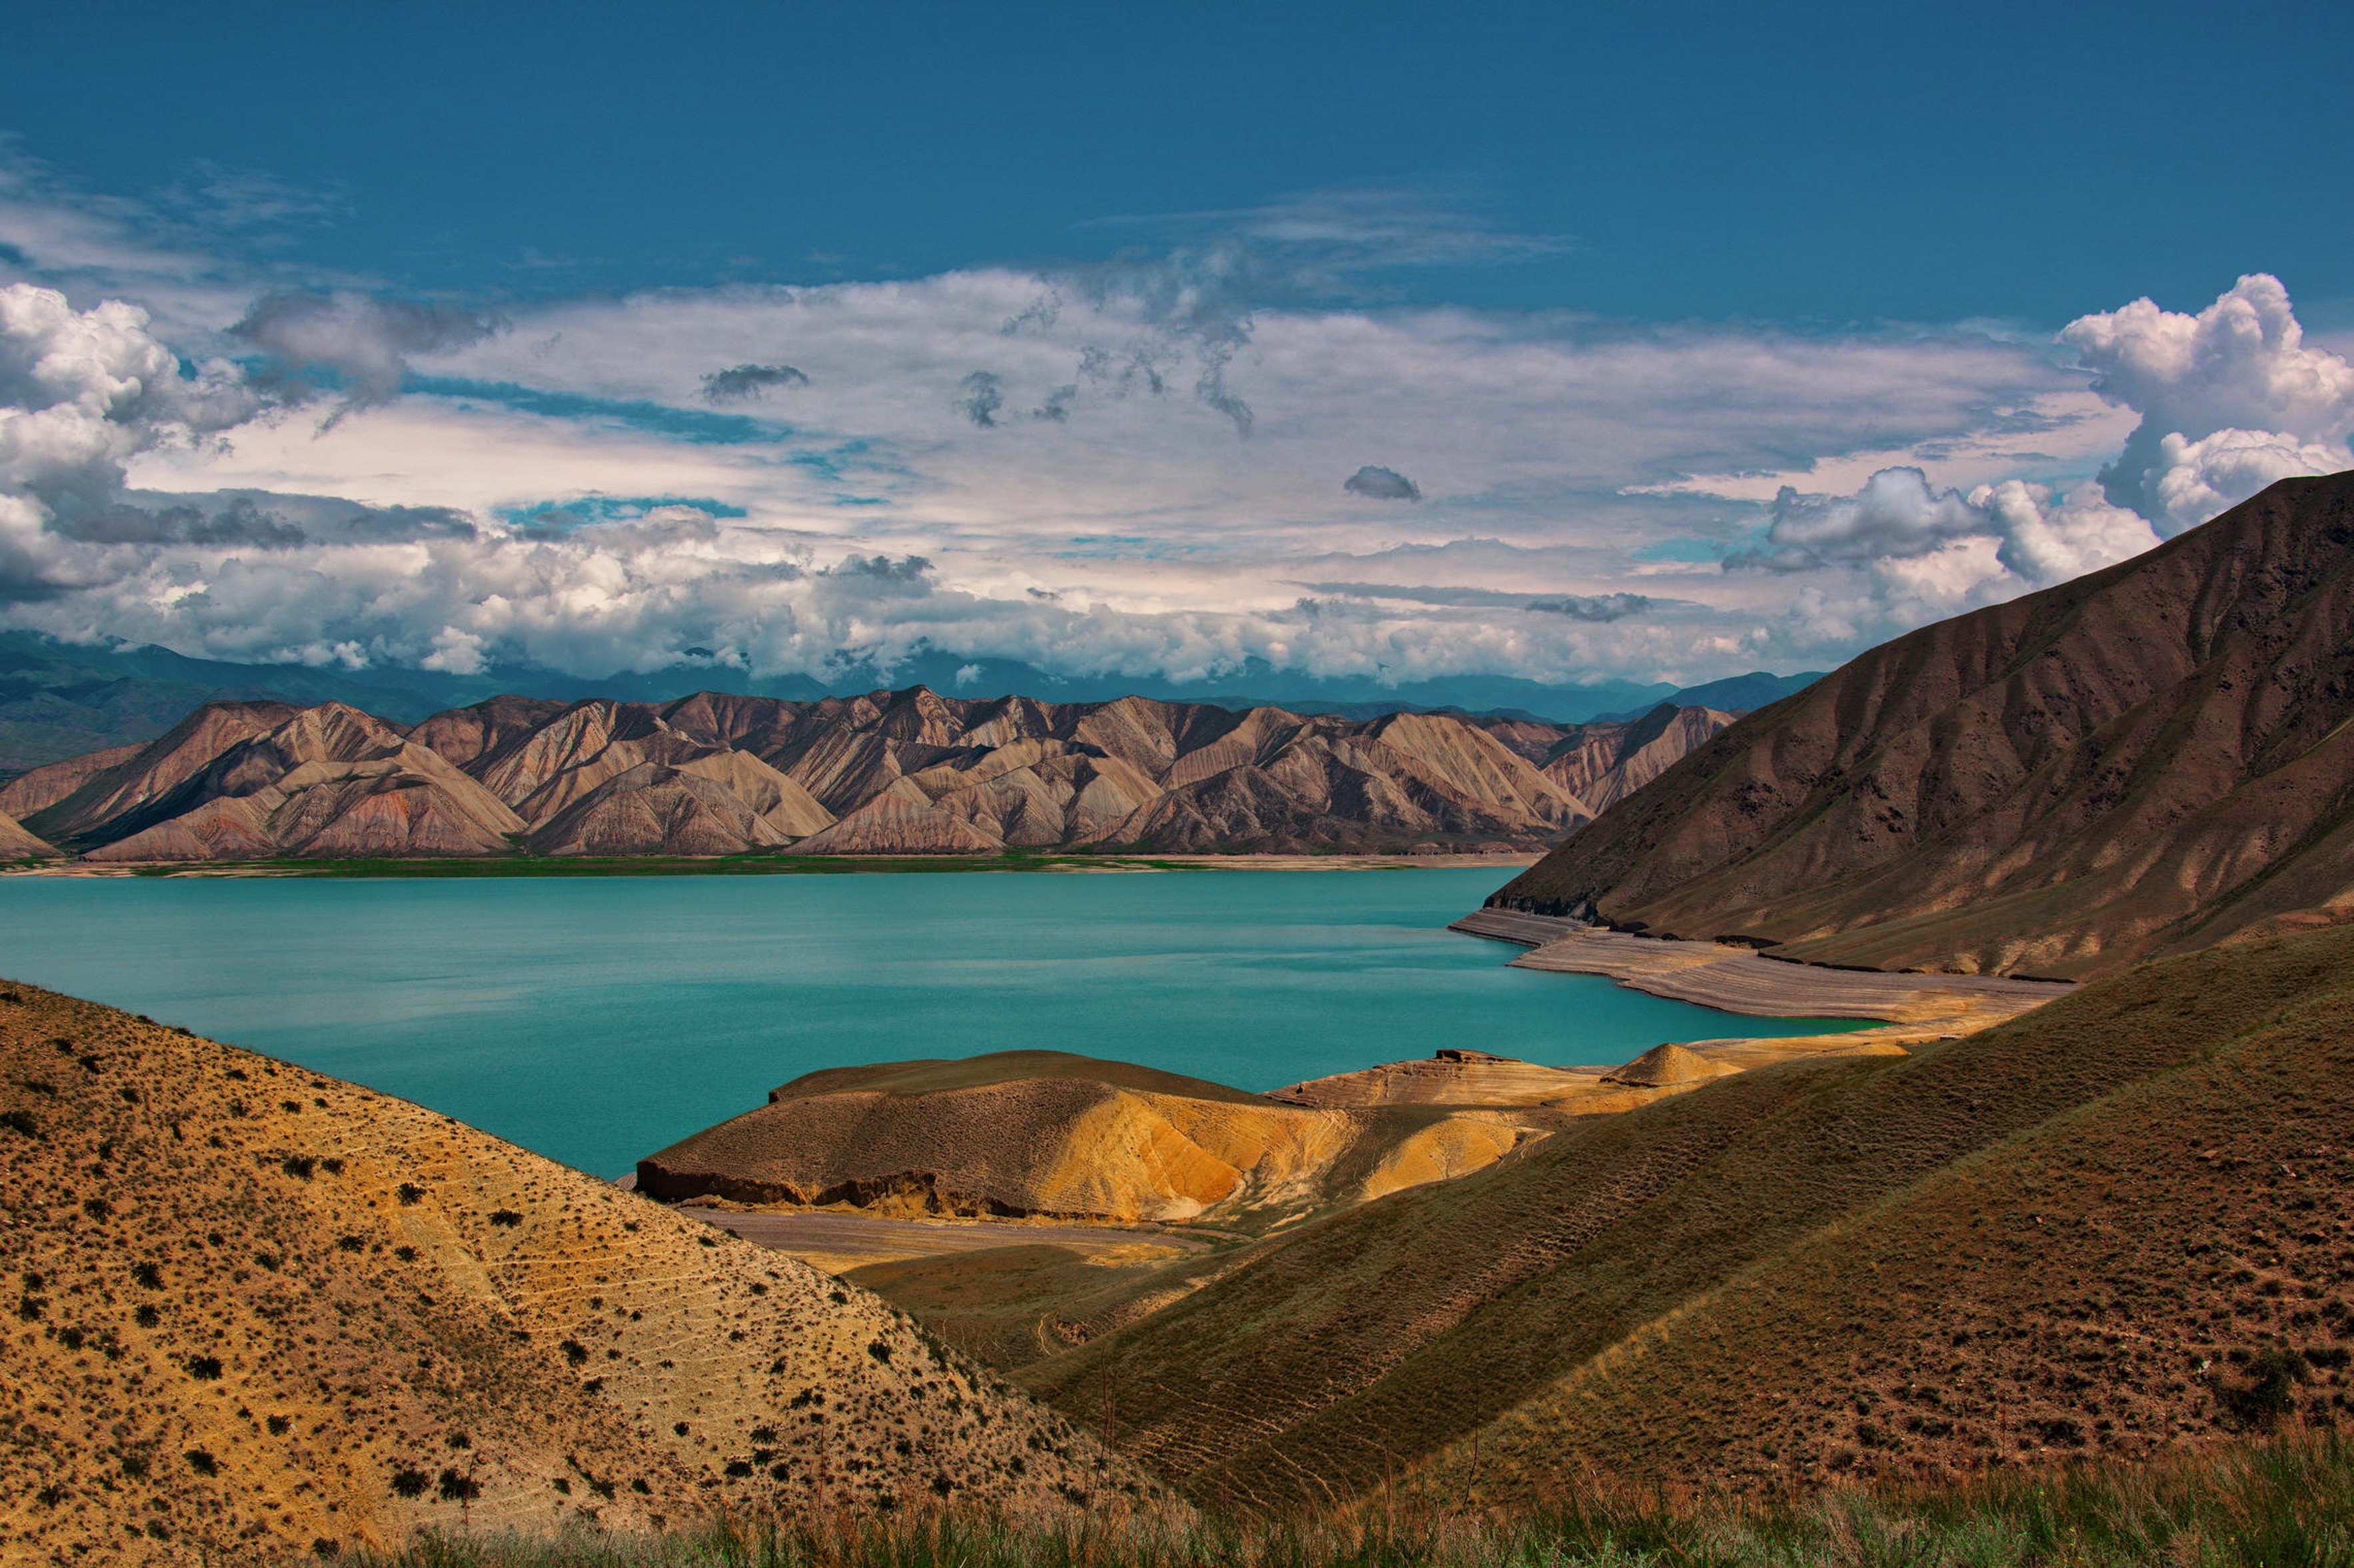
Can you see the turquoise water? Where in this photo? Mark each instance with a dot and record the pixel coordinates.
(595, 1020)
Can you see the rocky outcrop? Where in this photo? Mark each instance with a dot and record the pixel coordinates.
(2150, 758)
(256, 1314)
(1046, 1134)
(892, 773)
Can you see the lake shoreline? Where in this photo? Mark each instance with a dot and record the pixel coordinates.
(781, 866)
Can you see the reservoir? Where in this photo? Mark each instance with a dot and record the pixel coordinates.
(597, 1019)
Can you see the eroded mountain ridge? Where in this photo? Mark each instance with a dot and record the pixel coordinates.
(908, 772)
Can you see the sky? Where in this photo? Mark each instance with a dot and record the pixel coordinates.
(1575, 344)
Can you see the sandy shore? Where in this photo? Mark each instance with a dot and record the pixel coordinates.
(1911, 1007)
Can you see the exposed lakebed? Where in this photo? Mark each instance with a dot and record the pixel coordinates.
(598, 1020)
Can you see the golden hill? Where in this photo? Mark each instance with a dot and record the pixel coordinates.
(2148, 760)
(905, 772)
(252, 1309)
(1048, 1134)
(2123, 1222)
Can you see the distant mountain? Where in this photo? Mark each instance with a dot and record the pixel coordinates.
(2150, 758)
(59, 700)
(1735, 693)
(908, 772)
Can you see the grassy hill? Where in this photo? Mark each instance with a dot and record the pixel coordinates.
(253, 1309)
(2018, 1247)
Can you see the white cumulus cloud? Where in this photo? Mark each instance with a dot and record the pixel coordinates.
(2238, 375)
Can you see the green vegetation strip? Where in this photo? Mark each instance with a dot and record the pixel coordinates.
(2286, 1503)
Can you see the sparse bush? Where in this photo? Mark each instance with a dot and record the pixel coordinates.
(205, 1369)
(505, 1217)
(410, 1483)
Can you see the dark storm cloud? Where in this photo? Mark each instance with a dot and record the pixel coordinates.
(1595, 607)
(983, 397)
(741, 383)
(1381, 484)
(353, 344)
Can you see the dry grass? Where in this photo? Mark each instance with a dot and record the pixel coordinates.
(2277, 1505)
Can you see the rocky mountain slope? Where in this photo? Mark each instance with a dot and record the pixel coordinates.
(2148, 760)
(253, 1310)
(2120, 1223)
(15, 843)
(905, 772)
(1047, 1134)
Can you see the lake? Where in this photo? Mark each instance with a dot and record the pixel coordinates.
(595, 1020)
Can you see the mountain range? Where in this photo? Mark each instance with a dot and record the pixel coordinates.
(908, 772)
(2148, 760)
(60, 699)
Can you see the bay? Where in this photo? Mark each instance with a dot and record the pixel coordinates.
(595, 1020)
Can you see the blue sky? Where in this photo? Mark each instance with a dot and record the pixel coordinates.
(1093, 310)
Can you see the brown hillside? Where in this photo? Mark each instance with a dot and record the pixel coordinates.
(28, 792)
(2173, 1264)
(2146, 759)
(253, 1309)
(15, 843)
(905, 772)
(1045, 1134)
(1339, 1357)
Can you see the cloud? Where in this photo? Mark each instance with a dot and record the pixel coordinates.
(563, 493)
(980, 396)
(1604, 607)
(2239, 367)
(1897, 520)
(1381, 484)
(1895, 514)
(82, 393)
(2193, 480)
(740, 382)
(362, 344)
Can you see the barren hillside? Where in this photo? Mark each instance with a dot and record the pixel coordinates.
(2146, 759)
(2084, 1232)
(254, 1309)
